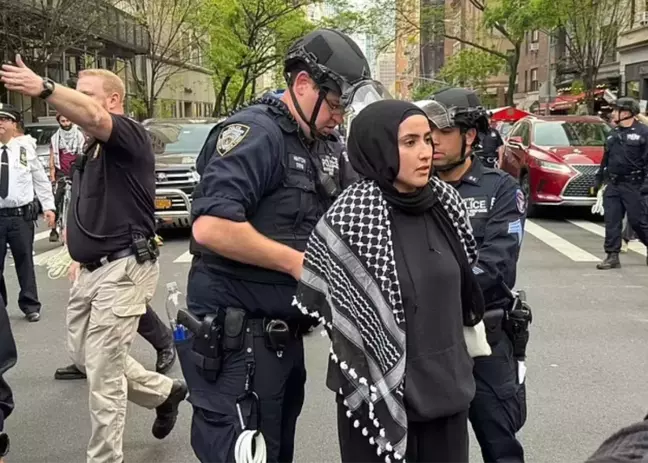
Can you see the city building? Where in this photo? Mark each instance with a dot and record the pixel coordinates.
(633, 57)
(385, 71)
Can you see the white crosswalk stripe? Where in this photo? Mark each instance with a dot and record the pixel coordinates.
(559, 244)
(184, 258)
(600, 231)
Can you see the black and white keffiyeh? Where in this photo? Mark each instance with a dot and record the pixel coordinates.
(350, 284)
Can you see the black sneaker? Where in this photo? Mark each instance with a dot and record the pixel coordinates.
(167, 413)
(33, 317)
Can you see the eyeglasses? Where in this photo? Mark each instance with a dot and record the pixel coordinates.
(337, 109)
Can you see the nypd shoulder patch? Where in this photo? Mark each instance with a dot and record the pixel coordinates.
(23, 156)
(521, 201)
(230, 137)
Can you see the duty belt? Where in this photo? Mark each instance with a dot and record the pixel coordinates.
(12, 212)
(92, 266)
(258, 326)
(633, 177)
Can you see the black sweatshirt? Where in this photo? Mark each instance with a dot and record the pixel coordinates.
(438, 376)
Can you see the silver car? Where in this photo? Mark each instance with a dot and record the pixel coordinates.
(42, 132)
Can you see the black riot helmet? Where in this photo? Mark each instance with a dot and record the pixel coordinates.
(334, 62)
(626, 104)
(456, 107)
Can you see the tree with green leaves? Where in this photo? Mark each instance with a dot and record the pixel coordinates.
(471, 68)
(248, 39)
(590, 29)
(504, 20)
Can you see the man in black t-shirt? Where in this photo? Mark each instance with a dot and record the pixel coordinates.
(111, 212)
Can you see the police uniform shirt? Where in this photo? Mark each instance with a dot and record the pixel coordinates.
(114, 195)
(255, 150)
(626, 149)
(497, 210)
(26, 175)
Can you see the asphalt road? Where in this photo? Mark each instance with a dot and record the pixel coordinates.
(586, 366)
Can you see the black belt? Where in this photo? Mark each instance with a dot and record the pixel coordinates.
(92, 266)
(258, 326)
(12, 212)
(634, 177)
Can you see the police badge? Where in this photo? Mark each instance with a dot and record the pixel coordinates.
(23, 156)
(230, 137)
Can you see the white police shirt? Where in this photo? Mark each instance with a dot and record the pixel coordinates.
(26, 175)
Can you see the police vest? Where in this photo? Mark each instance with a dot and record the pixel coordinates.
(288, 214)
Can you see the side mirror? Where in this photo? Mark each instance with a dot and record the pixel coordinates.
(515, 142)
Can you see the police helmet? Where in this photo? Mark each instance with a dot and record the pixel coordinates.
(627, 104)
(331, 58)
(456, 107)
(10, 111)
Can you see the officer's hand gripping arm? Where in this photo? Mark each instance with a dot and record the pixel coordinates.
(499, 252)
(233, 183)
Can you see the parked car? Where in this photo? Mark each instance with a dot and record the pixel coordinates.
(42, 132)
(555, 158)
(180, 142)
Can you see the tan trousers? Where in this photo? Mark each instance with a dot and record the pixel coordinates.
(102, 318)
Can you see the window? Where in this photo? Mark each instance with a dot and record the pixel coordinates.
(564, 134)
(526, 81)
(534, 80)
(535, 36)
(524, 133)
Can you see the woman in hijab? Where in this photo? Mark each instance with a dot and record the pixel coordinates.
(388, 272)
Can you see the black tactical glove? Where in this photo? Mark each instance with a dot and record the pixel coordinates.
(594, 189)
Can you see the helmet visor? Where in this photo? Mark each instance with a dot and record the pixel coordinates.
(438, 114)
(361, 95)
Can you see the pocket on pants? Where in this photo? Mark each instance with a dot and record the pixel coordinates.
(214, 433)
(129, 310)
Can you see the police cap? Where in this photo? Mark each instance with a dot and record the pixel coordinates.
(627, 104)
(332, 59)
(10, 111)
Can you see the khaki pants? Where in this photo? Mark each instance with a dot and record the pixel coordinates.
(102, 318)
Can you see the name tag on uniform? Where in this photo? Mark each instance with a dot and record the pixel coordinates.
(297, 162)
(634, 136)
(477, 205)
(23, 156)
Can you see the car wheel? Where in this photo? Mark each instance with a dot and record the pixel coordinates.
(525, 185)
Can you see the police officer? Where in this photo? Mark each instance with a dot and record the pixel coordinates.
(266, 181)
(624, 167)
(497, 210)
(20, 174)
(491, 145)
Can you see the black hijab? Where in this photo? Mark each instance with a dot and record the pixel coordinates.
(373, 152)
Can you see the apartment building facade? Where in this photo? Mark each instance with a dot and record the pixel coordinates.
(633, 56)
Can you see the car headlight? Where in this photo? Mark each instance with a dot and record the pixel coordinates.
(554, 166)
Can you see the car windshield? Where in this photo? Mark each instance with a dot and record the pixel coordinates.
(561, 134)
(505, 128)
(181, 138)
(42, 133)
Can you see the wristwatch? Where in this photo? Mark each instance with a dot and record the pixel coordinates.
(4, 444)
(48, 89)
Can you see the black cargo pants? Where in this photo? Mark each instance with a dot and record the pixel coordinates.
(498, 410)
(279, 383)
(618, 199)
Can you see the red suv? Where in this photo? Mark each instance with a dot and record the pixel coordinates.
(555, 158)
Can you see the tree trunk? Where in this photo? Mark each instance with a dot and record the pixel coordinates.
(220, 98)
(513, 61)
(589, 81)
